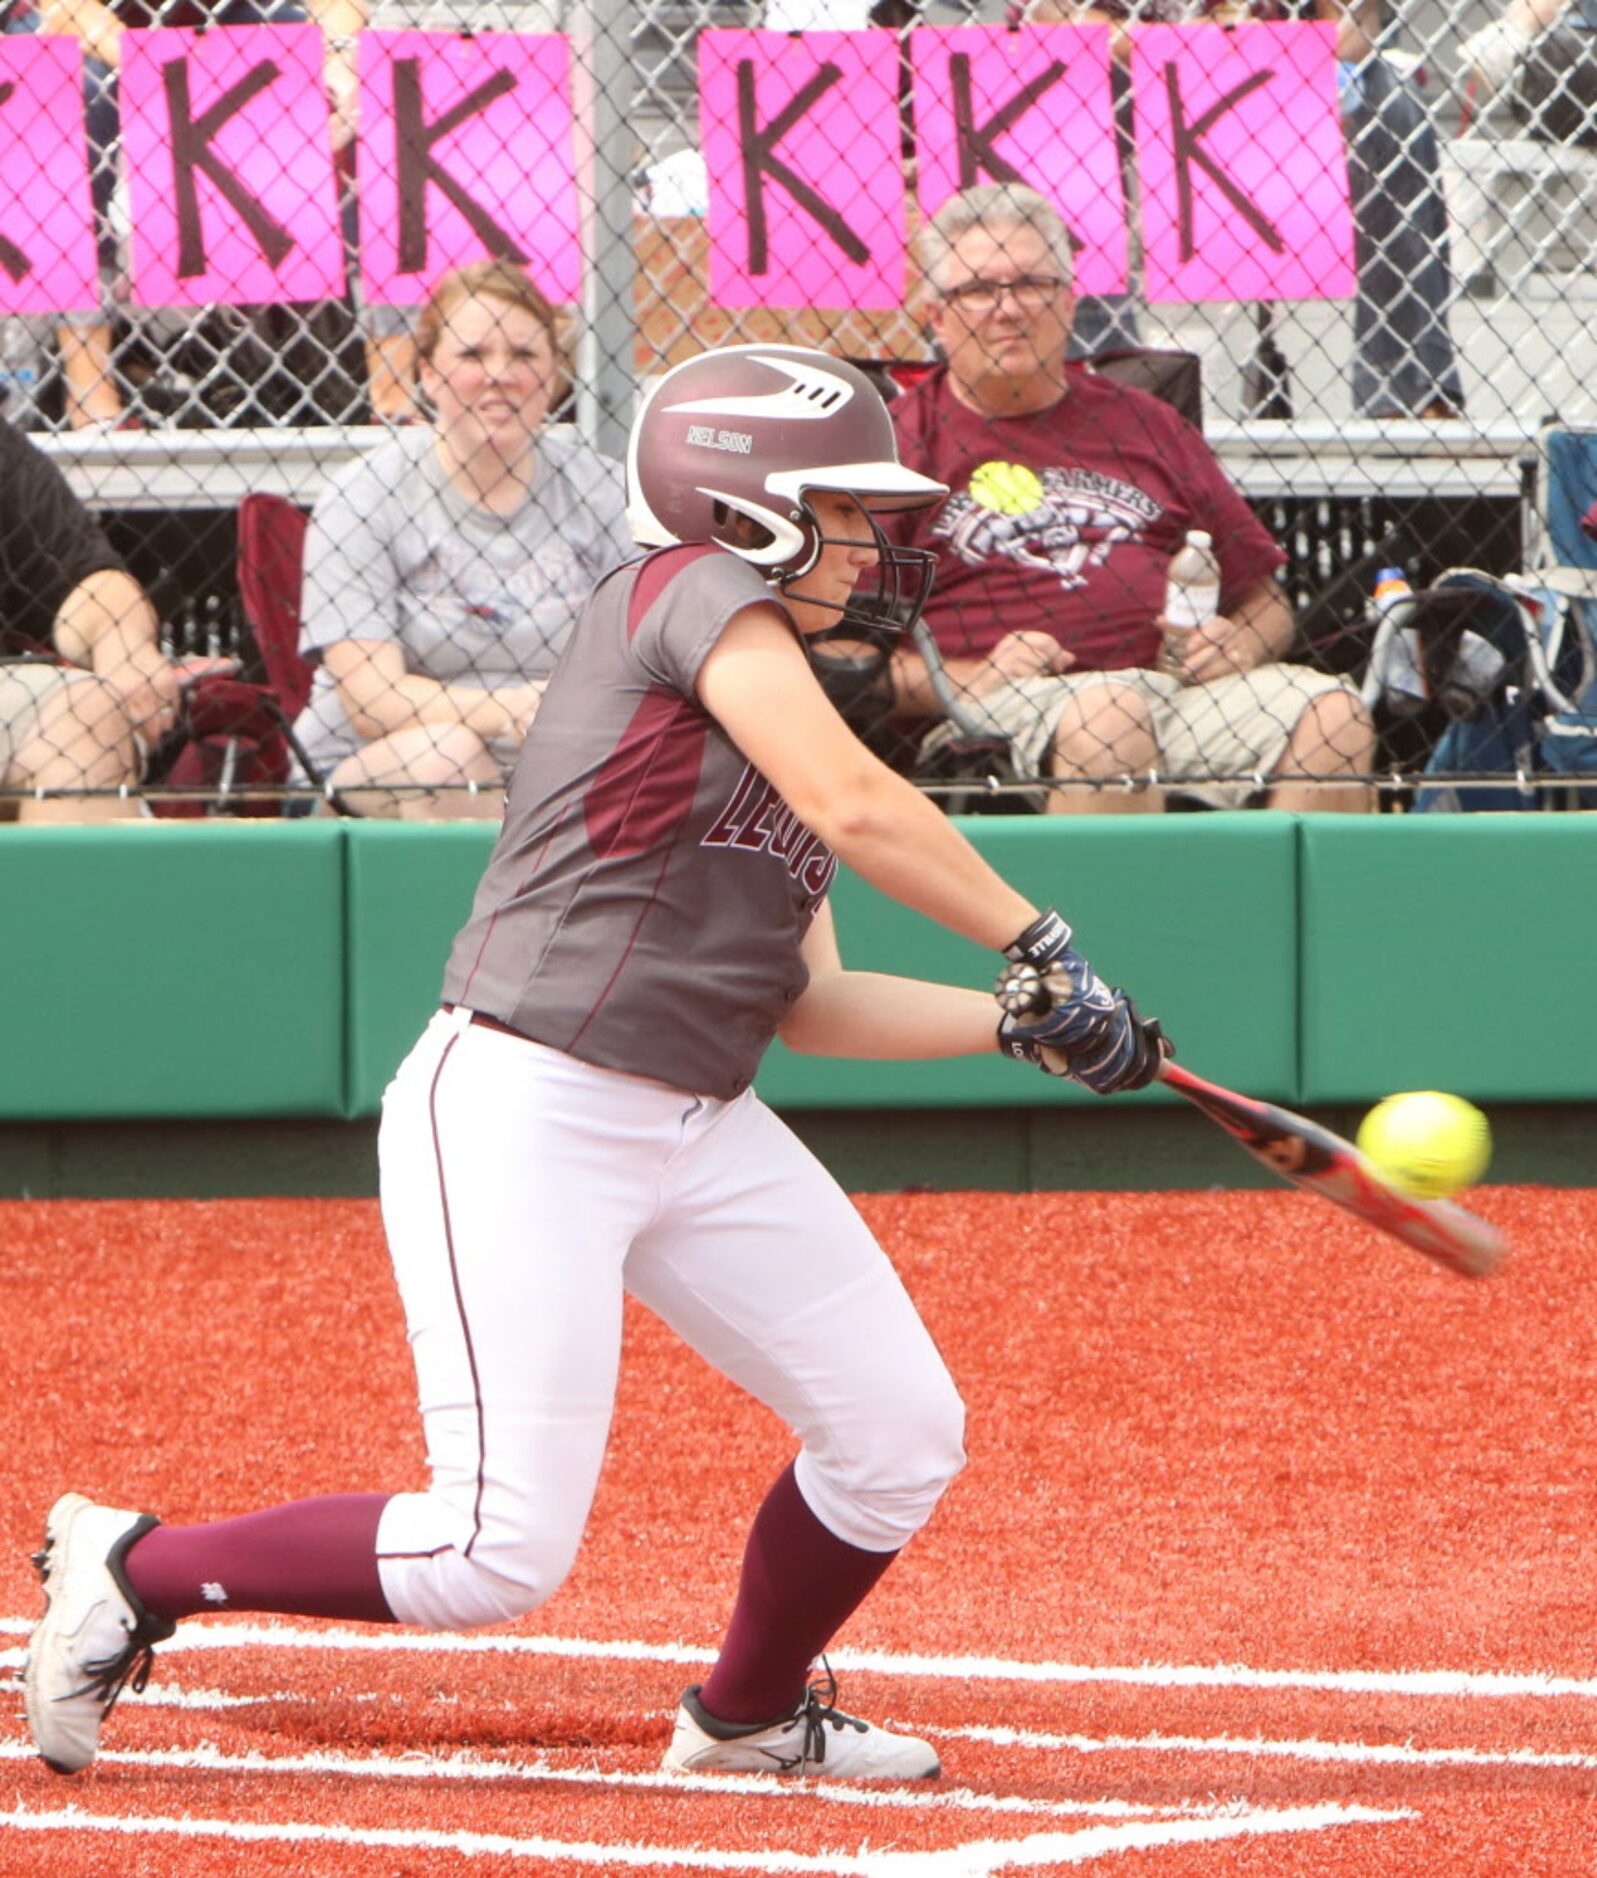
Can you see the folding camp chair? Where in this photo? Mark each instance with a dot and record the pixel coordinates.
(234, 732)
(271, 552)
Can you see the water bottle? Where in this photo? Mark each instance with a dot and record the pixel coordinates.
(1397, 667)
(1192, 594)
(22, 364)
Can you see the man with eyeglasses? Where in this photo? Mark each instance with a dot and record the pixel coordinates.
(1070, 494)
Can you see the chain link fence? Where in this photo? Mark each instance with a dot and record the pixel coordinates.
(1394, 425)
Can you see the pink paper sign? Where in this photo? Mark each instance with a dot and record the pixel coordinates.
(465, 156)
(801, 142)
(230, 166)
(1242, 162)
(1030, 106)
(47, 261)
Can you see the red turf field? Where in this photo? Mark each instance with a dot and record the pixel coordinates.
(1275, 1556)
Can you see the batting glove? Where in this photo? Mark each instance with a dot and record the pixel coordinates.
(1053, 999)
(1125, 1054)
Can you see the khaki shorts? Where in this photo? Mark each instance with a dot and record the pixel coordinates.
(1219, 741)
(25, 688)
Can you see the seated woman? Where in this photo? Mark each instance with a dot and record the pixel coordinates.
(444, 572)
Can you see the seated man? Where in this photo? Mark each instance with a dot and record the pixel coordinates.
(85, 689)
(1071, 495)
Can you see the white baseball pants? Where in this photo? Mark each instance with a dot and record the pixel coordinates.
(524, 1192)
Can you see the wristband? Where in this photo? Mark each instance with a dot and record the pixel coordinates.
(1041, 942)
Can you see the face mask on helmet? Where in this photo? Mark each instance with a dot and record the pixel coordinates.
(886, 600)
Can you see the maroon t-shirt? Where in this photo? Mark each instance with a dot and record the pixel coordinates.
(1065, 521)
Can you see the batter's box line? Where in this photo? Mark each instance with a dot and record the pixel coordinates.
(211, 1634)
(473, 1768)
(1260, 1747)
(982, 1858)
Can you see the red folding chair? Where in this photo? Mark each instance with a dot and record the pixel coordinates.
(271, 553)
(237, 731)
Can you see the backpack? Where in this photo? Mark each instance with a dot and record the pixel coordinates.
(1513, 666)
(1569, 734)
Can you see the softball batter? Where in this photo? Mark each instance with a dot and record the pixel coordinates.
(577, 1121)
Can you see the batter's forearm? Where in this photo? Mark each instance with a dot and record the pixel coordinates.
(878, 1016)
(894, 837)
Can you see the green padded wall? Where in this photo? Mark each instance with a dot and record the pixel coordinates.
(410, 887)
(1196, 913)
(1450, 952)
(243, 969)
(166, 968)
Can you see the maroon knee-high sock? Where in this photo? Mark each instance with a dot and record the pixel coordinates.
(799, 1582)
(312, 1558)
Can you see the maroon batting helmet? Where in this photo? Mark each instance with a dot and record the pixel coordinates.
(742, 434)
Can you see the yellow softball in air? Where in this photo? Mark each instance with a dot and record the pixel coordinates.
(1427, 1144)
(1010, 488)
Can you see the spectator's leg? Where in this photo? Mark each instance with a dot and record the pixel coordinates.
(392, 390)
(391, 377)
(1334, 738)
(1104, 730)
(79, 739)
(419, 775)
(92, 396)
(1404, 362)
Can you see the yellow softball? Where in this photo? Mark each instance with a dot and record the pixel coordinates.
(1426, 1143)
(1010, 488)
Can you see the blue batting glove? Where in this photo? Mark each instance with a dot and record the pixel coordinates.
(1052, 998)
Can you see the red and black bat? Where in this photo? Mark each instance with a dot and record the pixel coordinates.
(1310, 1157)
(1313, 1158)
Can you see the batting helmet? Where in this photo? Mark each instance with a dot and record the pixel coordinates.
(741, 435)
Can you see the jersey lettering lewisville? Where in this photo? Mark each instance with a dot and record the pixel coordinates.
(758, 821)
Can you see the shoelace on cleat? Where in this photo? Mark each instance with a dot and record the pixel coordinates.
(820, 1710)
(129, 1668)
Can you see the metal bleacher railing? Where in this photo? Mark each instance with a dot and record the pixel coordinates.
(206, 405)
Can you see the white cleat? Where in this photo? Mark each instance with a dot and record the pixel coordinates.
(94, 1637)
(816, 1738)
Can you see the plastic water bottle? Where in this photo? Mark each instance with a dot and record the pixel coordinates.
(1397, 668)
(22, 364)
(1192, 594)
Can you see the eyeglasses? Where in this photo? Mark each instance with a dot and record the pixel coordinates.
(1030, 292)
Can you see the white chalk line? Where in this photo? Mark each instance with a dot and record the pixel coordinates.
(171, 1695)
(214, 1634)
(1344, 1753)
(414, 1764)
(976, 1859)
(476, 1769)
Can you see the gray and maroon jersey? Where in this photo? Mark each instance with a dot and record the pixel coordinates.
(644, 906)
